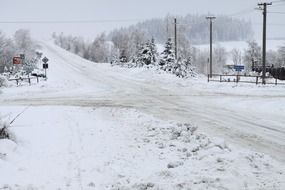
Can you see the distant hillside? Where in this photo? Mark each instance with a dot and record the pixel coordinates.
(193, 28)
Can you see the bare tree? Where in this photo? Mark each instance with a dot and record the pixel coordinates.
(236, 56)
(219, 59)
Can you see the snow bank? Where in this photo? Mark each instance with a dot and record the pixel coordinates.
(122, 148)
(6, 145)
(186, 159)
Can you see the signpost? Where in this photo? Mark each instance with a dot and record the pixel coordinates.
(238, 68)
(45, 65)
(17, 60)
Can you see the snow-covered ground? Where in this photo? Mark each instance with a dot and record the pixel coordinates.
(93, 126)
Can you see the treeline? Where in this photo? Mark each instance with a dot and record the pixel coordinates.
(20, 43)
(192, 28)
(253, 55)
(133, 50)
(128, 51)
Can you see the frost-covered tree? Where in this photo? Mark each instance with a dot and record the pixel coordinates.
(201, 60)
(23, 41)
(272, 58)
(147, 54)
(252, 54)
(179, 68)
(167, 58)
(100, 49)
(154, 52)
(236, 56)
(219, 59)
(190, 68)
(7, 51)
(281, 56)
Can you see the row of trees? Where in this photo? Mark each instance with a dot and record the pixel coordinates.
(134, 50)
(253, 55)
(194, 28)
(129, 50)
(21, 43)
(148, 56)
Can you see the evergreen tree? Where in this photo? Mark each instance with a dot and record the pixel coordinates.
(167, 59)
(123, 58)
(154, 52)
(147, 54)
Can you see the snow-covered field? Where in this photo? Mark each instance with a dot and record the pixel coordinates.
(93, 126)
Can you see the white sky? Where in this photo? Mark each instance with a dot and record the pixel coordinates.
(58, 10)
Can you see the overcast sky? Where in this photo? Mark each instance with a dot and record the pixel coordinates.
(129, 10)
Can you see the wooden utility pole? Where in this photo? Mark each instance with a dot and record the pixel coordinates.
(175, 37)
(211, 42)
(264, 39)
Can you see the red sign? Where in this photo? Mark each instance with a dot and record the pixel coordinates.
(17, 60)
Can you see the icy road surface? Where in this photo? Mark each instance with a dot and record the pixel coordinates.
(250, 116)
(85, 128)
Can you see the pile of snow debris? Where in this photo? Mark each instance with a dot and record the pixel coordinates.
(181, 158)
(4, 134)
(3, 81)
(6, 144)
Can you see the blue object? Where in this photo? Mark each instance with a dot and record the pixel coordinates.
(239, 67)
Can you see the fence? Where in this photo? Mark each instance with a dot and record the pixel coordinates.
(244, 79)
(27, 79)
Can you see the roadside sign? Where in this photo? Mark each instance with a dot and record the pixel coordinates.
(17, 60)
(45, 66)
(45, 59)
(22, 56)
(239, 67)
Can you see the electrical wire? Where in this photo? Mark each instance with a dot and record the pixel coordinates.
(68, 21)
(276, 12)
(278, 1)
(244, 11)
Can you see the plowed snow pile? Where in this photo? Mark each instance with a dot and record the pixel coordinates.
(121, 148)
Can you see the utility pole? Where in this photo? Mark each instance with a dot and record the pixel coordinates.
(175, 37)
(264, 39)
(211, 42)
(167, 28)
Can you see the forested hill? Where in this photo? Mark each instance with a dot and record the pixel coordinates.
(194, 28)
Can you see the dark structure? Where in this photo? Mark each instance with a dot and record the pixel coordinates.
(277, 73)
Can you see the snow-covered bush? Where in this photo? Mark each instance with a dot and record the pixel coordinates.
(4, 133)
(3, 81)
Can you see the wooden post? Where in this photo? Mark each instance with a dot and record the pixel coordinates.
(37, 79)
(220, 78)
(256, 80)
(17, 82)
(275, 81)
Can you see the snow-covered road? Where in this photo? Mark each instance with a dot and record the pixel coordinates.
(97, 146)
(250, 116)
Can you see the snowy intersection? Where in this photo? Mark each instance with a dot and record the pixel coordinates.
(87, 128)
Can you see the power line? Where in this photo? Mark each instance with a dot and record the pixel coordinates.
(276, 12)
(244, 11)
(67, 21)
(271, 24)
(278, 1)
